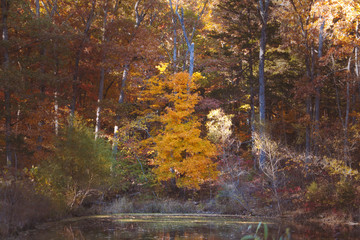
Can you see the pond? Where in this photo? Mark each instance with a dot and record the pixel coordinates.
(161, 226)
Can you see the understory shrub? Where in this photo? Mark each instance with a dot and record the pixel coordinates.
(327, 195)
(80, 166)
(120, 205)
(229, 202)
(22, 207)
(346, 194)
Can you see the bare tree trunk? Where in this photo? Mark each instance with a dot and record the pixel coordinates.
(346, 122)
(42, 83)
(51, 11)
(56, 102)
(308, 130)
(174, 21)
(188, 40)
(6, 62)
(102, 76)
(317, 89)
(252, 109)
(18, 112)
(309, 62)
(56, 113)
(120, 101)
(357, 63)
(75, 86)
(192, 59)
(100, 98)
(264, 6)
(346, 144)
(8, 128)
(37, 6)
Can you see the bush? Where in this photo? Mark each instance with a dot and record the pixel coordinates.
(79, 166)
(172, 206)
(120, 205)
(21, 207)
(345, 194)
(320, 196)
(341, 195)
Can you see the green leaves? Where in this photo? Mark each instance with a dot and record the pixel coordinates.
(255, 236)
(79, 164)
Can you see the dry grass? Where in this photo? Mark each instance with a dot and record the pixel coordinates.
(124, 205)
(219, 206)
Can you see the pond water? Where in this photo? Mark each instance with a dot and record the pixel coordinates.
(160, 226)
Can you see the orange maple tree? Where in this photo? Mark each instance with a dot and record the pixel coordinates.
(181, 153)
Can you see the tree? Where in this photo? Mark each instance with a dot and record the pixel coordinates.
(180, 151)
(5, 4)
(240, 25)
(340, 18)
(80, 165)
(134, 31)
(86, 34)
(264, 14)
(298, 19)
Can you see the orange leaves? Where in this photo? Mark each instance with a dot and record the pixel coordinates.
(181, 153)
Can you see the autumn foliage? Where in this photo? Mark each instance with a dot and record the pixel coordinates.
(180, 152)
(171, 90)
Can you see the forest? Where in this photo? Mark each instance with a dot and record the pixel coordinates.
(247, 107)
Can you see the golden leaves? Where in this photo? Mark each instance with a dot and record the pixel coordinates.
(181, 152)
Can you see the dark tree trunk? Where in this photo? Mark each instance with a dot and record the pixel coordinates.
(264, 6)
(6, 62)
(317, 90)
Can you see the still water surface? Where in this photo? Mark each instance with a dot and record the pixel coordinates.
(160, 226)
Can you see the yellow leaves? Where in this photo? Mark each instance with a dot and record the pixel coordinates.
(245, 107)
(196, 77)
(162, 67)
(181, 153)
(337, 167)
(219, 126)
(340, 17)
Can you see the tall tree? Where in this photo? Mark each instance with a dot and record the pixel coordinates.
(174, 23)
(240, 26)
(85, 35)
(139, 17)
(297, 18)
(189, 37)
(102, 71)
(264, 14)
(5, 4)
(181, 153)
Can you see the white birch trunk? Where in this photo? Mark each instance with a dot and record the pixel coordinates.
(120, 101)
(102, 76)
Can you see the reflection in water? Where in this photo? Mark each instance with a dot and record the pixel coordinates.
(69, 233)
(175, 227)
